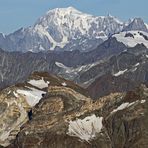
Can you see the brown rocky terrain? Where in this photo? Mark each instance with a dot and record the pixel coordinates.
(65, 118)
(17, 101)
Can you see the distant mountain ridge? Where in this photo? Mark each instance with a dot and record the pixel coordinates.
(113, 58)
(67, 29)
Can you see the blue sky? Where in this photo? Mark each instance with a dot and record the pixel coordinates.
(15, 14)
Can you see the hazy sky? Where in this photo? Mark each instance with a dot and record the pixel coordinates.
(15, 14)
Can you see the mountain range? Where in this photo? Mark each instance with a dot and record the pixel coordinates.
(113, 60)
(67, 29)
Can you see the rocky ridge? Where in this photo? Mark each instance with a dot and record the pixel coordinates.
(64, 117)
(63, 120)
(17, 101)
(81, 67)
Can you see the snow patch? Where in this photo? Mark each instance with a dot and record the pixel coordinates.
(33, 96)
(130, 41)
(41, 48)
(64, 84)
(134, 69)
(120, 73)
(78, 69)
(60, 65)
(126, 105)
(39, 83)
(137, 64)
(15, 94)
(85, 129)
(143, 101)
(123, 106)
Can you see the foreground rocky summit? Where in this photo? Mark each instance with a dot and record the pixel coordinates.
(16, 102)
(50, 112)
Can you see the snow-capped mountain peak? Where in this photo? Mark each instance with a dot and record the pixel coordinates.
(109, 16)
(71, 28)
(61, 16)
(73, 18)
(68, 10)
(67, 29)
(136, 24)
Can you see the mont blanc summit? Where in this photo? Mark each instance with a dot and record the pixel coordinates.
(67, 29)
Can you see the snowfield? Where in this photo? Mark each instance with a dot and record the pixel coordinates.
(64, 84)
(39, 83)
(134, 38)
(32, 96)
(120, 73)
(126, 105)
(85, 129)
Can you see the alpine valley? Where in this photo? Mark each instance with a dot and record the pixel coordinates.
(73, 80)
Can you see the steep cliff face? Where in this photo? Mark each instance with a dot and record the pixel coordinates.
(15, 104)
(66, 119)
(136, 24)
(127, 124)
(13, 114)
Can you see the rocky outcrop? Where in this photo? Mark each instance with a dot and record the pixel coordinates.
(13, 114)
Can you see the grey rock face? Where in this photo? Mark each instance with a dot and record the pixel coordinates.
(16, 66)
(121, 73)
(136, 24)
